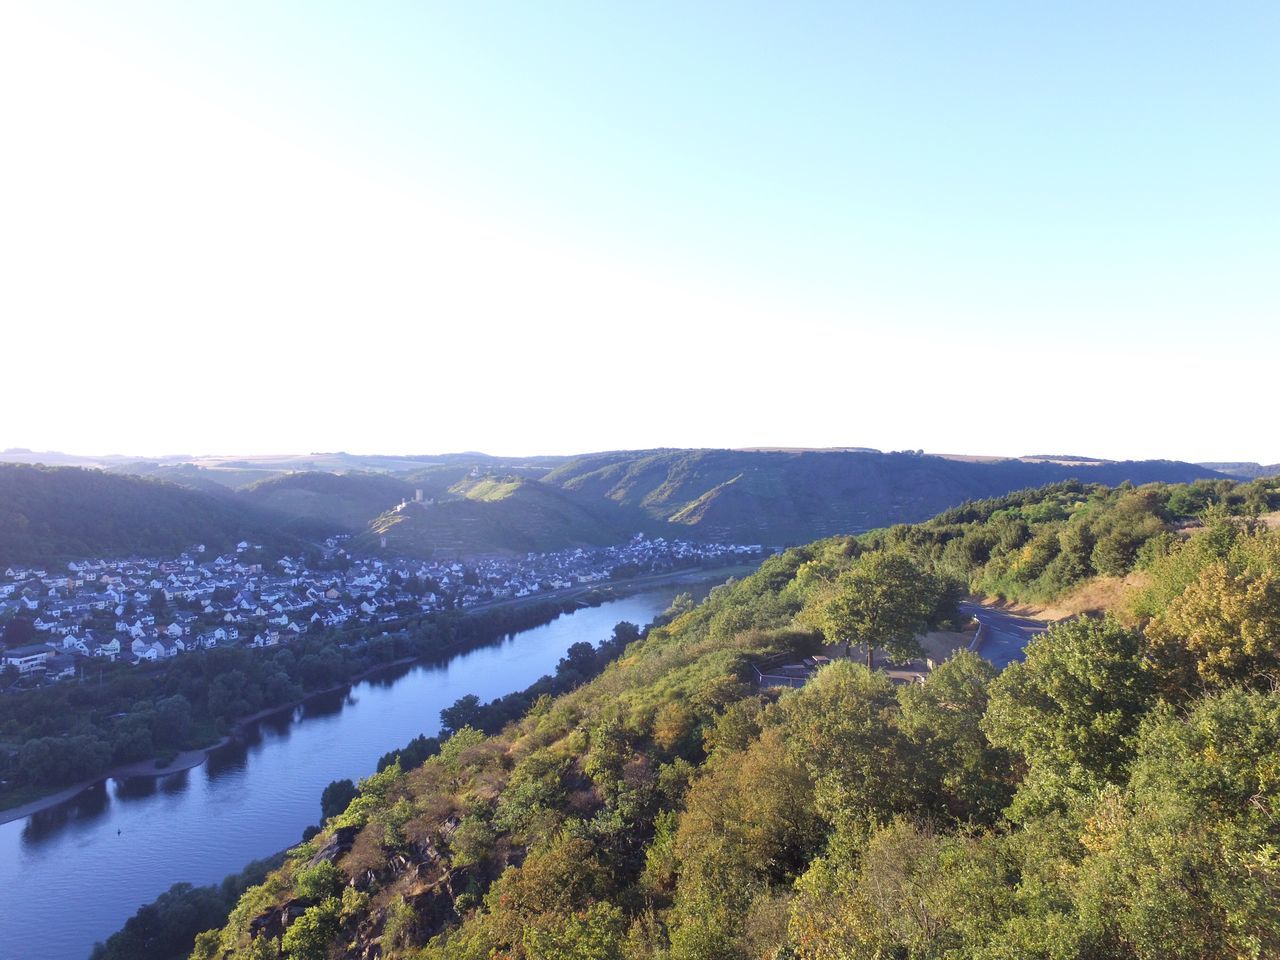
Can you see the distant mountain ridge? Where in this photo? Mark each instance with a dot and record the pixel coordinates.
(778, 497)
(1245, 470)
(474, 503)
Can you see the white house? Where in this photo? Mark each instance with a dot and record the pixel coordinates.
(152, 650)
(28, 659)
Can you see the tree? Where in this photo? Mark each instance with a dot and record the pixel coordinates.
(232, 695)
(19, 631)
(1224, 628)
(171, 724)
(909, 893)
(1070, 711)
(1183, 861)
(943, 717)
(883, 600)
(336, 797)
(840, 728)
(309, 936)
(319, 882)
(561, 876)
(465, 712)
(53, 761)
(578, 662)
(596, 933)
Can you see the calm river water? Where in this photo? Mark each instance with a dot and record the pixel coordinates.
(72, 875)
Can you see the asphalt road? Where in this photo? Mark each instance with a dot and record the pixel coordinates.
(1004, 635)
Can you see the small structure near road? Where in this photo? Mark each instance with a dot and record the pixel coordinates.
(785, 671)
(937, 646)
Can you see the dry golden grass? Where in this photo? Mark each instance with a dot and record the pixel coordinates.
(1271, 521)
(1090, 599)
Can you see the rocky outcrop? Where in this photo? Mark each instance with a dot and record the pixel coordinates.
(341, 842)
(274, 922)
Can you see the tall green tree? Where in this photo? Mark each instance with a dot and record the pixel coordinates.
(1185, 861)
(884, 599)
(1224, 628)
(1071, 711)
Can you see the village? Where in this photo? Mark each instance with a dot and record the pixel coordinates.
(142, 611)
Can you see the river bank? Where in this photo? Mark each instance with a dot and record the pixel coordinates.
(191, 758)
(198, 826)
(188, 759)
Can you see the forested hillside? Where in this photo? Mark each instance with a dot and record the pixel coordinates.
(328, 502)
(783, 497)
(63, 513)
(1114, 796)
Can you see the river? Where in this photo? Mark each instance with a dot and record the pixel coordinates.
(71, 875)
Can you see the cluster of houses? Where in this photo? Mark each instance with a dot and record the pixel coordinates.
(147, 610)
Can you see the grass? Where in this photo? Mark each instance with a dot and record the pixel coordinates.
(489, 489)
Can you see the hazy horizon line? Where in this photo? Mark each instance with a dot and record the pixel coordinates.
(191, 457)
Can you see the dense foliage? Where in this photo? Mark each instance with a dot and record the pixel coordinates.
(1035, 545)
(1114, 796)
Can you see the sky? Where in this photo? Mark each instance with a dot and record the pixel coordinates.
(988, 228)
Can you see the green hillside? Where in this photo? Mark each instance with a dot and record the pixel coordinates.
(761, 496)
(345, 502)
(62, 513)
(774, 497)
(439, 480)
(499, 515)
(779, 497)
(1114, 796)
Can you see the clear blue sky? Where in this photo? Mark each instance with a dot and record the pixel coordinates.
(983, 227)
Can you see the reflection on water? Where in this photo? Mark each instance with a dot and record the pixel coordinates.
(227, 760)
(135, 788)
(175, 782)
(84, 807)
(388, 676)
(277, 723)
(326, 704)
(74, 873)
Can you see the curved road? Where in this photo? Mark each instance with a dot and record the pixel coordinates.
(1004, 635)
